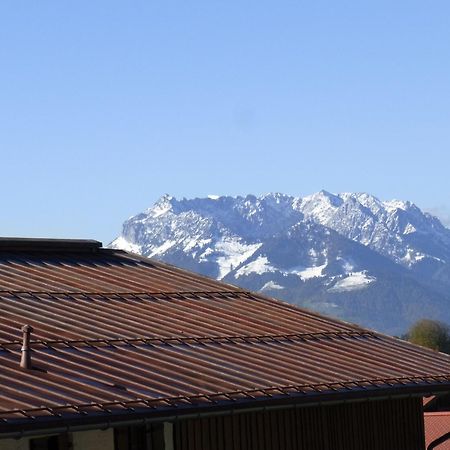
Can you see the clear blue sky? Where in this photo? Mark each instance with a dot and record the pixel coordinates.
(106, 105)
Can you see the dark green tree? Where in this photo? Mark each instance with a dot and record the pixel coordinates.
(430, 333)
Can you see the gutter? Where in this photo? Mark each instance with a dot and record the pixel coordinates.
(104, 425)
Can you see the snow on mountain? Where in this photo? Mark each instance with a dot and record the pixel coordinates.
(233, 253)
(258, 266)
(397, 229)
(355, 280)
(311, 250)
(222, 231)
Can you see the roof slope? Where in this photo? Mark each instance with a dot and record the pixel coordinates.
(116, 334)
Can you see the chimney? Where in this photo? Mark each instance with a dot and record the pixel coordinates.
(25, 361)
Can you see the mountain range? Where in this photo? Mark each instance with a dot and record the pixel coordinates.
(381, 264)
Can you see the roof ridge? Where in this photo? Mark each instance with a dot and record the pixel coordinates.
(14, 244)
(196, 339)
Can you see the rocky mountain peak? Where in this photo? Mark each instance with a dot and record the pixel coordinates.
(320, 246)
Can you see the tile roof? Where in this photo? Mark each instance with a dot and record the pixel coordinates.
(116, 334)
(437, 424)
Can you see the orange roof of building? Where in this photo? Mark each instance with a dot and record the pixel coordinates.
(436, 425)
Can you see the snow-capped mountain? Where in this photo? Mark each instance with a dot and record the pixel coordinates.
(383, 264)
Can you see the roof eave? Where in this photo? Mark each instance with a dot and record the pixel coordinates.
(53, 425)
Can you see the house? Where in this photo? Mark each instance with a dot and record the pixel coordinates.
(103, 349)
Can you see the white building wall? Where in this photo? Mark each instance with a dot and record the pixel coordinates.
(82, 440)
(14, 444)
(87, 440)
(168, 436)
(93, 440)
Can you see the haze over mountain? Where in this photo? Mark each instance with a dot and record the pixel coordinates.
(382, 264)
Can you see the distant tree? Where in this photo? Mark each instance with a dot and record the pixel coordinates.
(430, 333)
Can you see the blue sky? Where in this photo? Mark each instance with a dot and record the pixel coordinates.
(107, 105)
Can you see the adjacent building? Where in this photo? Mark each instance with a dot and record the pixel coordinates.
(437, 422)
(103, 349)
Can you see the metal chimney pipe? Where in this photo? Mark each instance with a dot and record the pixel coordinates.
(25, 361)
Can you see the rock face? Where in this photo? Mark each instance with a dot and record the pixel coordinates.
(381, 264)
